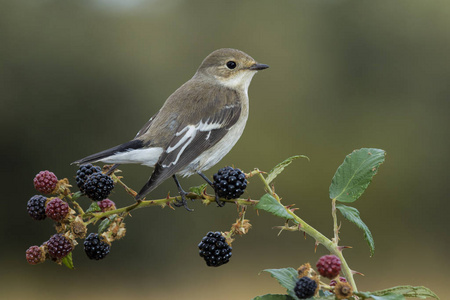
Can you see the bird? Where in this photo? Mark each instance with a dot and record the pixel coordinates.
(196, 126)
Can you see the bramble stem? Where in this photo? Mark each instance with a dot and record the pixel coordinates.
(165, 201)
(72, 198)
(335, 226)
(319, 237)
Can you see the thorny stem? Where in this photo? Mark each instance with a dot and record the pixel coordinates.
(163, 202)
(72, 198)
(331, 245)
(318, 236)
(127, 189)
(335, 226)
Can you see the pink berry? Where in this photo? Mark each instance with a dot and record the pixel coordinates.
(34, 255)
(329, 266)
(106, 205)
(45, 182)
(341, 279)
(57, 210)
(59, 246)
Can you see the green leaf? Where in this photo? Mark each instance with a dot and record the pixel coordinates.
(280, 167)
(273, 297)
(406, 291)
(352, 214)
(388, 297)
(198, 190)
(287, 277)
(93, 207)
(105, 223)
(270, 204)
(355, 174)
(67, 261)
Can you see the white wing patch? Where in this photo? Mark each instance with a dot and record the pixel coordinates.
(189, 132)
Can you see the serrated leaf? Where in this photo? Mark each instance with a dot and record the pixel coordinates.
(352, 214)
(280, 167)
(388, 297)
(93, 207)
(198, 190)
(407, 291)
(270, 204)
(355, 174)
(67, 261)
(287, 277)
(273, 297)
(105, 223)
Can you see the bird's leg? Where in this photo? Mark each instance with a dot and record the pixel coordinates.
(220, 203)
(182, 193)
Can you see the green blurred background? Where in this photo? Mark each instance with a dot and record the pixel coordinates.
(77, 77)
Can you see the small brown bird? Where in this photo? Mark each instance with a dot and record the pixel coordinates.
(197, 125)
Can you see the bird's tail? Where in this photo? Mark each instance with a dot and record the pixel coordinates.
(131, 145)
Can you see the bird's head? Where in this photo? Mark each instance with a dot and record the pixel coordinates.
(229, 67)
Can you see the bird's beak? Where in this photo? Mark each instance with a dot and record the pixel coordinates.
(257, 67)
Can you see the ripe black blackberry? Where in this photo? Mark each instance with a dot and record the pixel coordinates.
(98, 186)
(34, 255)
(229, 183)
(214, 249)
(59, 246)
(57, 210)
(45, 182)
(96, 247)
(36, 207)
(84, 172)
(329, 266)
(305, 288)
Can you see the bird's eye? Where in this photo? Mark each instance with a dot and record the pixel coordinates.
(231, 64)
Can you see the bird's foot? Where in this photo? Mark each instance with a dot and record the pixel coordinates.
(182, 201)
(219, 203)
(183, 194)
(217, 198)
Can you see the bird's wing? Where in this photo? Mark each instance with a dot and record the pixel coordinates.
(146, 126)
(190, 141)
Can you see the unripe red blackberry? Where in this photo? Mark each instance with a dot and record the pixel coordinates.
(34, 255)
(36, 207)
(57, 210)
(98, 186)
(305, 288)
(341, 279)
(84, 172)
(96, 247)
(214, 249)
(45, 182)
(106, 205)
(59, 246)
(229, 183)
(329, 266)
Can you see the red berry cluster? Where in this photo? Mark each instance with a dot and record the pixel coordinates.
(57, 209)
(71, 224)
(106, 205)
(329, 266)
(35, 255)
(45, 182)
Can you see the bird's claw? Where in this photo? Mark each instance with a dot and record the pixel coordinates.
(182, 202)
(217, 198)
